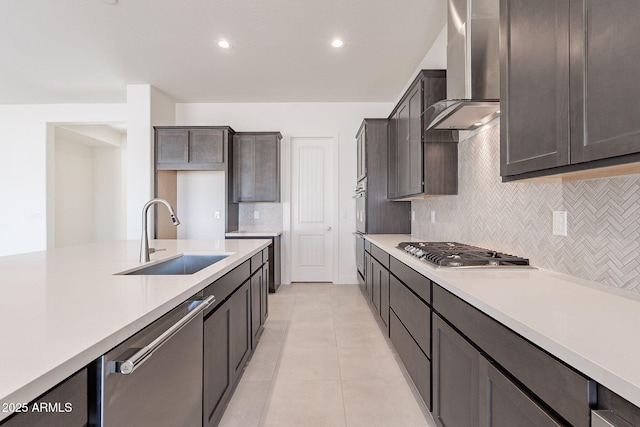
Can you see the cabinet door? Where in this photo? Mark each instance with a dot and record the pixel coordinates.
(409, 159)
(403, 152)
(264, 294)
(267, 168)
(392, 162)
(256, 280)
(217, 372)
(376, 270)
(240, 328)
(503, 404)
(604, 79)
(256, 168)
(206, 146)
(368, 276)
(384, 296)
(172, 146)
(455, 377)
(415, 141)
(243, 172)
(534, 125)
(362, 153)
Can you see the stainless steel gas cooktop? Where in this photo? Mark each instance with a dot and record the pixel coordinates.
(451, 254)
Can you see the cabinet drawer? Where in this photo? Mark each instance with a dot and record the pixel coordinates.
(563, 389)
(380, 255)
(367, 245)
(224, 286)
(414, 313)
(415, 281)
(417, 364)
(256, 262)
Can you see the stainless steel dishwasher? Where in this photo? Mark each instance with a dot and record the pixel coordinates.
(155, 377)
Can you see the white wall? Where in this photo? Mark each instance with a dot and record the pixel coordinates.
(88, 185)
(74, 196)
(302, 119)
(146, 107)
(435, 59)
(25, 132)
(109, 182)
(200, 195)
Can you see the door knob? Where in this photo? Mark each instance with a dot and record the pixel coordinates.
(328, 228)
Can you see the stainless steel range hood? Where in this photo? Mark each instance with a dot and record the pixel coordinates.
(473, 67)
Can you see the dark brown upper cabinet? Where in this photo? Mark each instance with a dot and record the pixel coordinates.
(382, 215)
(569, 97)
(190, 148)
(361, 168)
(421, 163)
(256, 167)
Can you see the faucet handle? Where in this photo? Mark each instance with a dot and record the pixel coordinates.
(154, 250)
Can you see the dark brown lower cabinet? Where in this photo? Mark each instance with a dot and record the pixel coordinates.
(256, 302)
(240, 328)
(455, 377)
(64, 405)
(377, 287)
(264, 293)
(469, 391)
(504, 404)
(259, 301)
(368, 276)
(414, 360)
(227, 347)
(217, 375)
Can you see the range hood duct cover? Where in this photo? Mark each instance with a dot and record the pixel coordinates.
(473, 67)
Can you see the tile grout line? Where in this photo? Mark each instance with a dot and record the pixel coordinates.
(333, 320)
(272, 382)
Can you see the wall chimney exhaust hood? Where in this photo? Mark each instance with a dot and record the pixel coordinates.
(473, 67)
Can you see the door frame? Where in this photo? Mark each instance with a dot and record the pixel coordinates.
(287, 205)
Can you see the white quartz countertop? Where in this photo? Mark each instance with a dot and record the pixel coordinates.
(592, 327)
(63, 308)
(266, 233)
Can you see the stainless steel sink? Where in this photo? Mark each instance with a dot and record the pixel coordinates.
(181, 264)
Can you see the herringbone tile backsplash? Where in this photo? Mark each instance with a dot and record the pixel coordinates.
(603, 242)
(269, 217)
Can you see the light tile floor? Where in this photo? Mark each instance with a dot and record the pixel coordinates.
(323, 361)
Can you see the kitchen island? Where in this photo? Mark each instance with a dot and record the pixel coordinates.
(275, 256)
(61, 309)
(587, 326)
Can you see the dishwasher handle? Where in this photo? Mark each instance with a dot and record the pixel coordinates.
(128, 366)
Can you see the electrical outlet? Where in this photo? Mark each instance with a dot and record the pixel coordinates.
(217, 215)
(559, 223)
(256, 215)
(433, 217)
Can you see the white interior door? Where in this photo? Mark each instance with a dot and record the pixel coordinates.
(312, 181)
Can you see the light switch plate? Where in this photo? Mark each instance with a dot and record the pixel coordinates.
(433, 217)
(559, 223)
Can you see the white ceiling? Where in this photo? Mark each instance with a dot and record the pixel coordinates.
(77, 51)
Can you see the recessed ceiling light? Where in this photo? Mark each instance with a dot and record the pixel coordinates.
(337, 43)
(224, 44)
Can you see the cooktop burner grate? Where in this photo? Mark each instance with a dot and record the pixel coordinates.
(452, 254)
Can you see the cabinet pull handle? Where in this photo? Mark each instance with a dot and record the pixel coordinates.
(127, 367)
